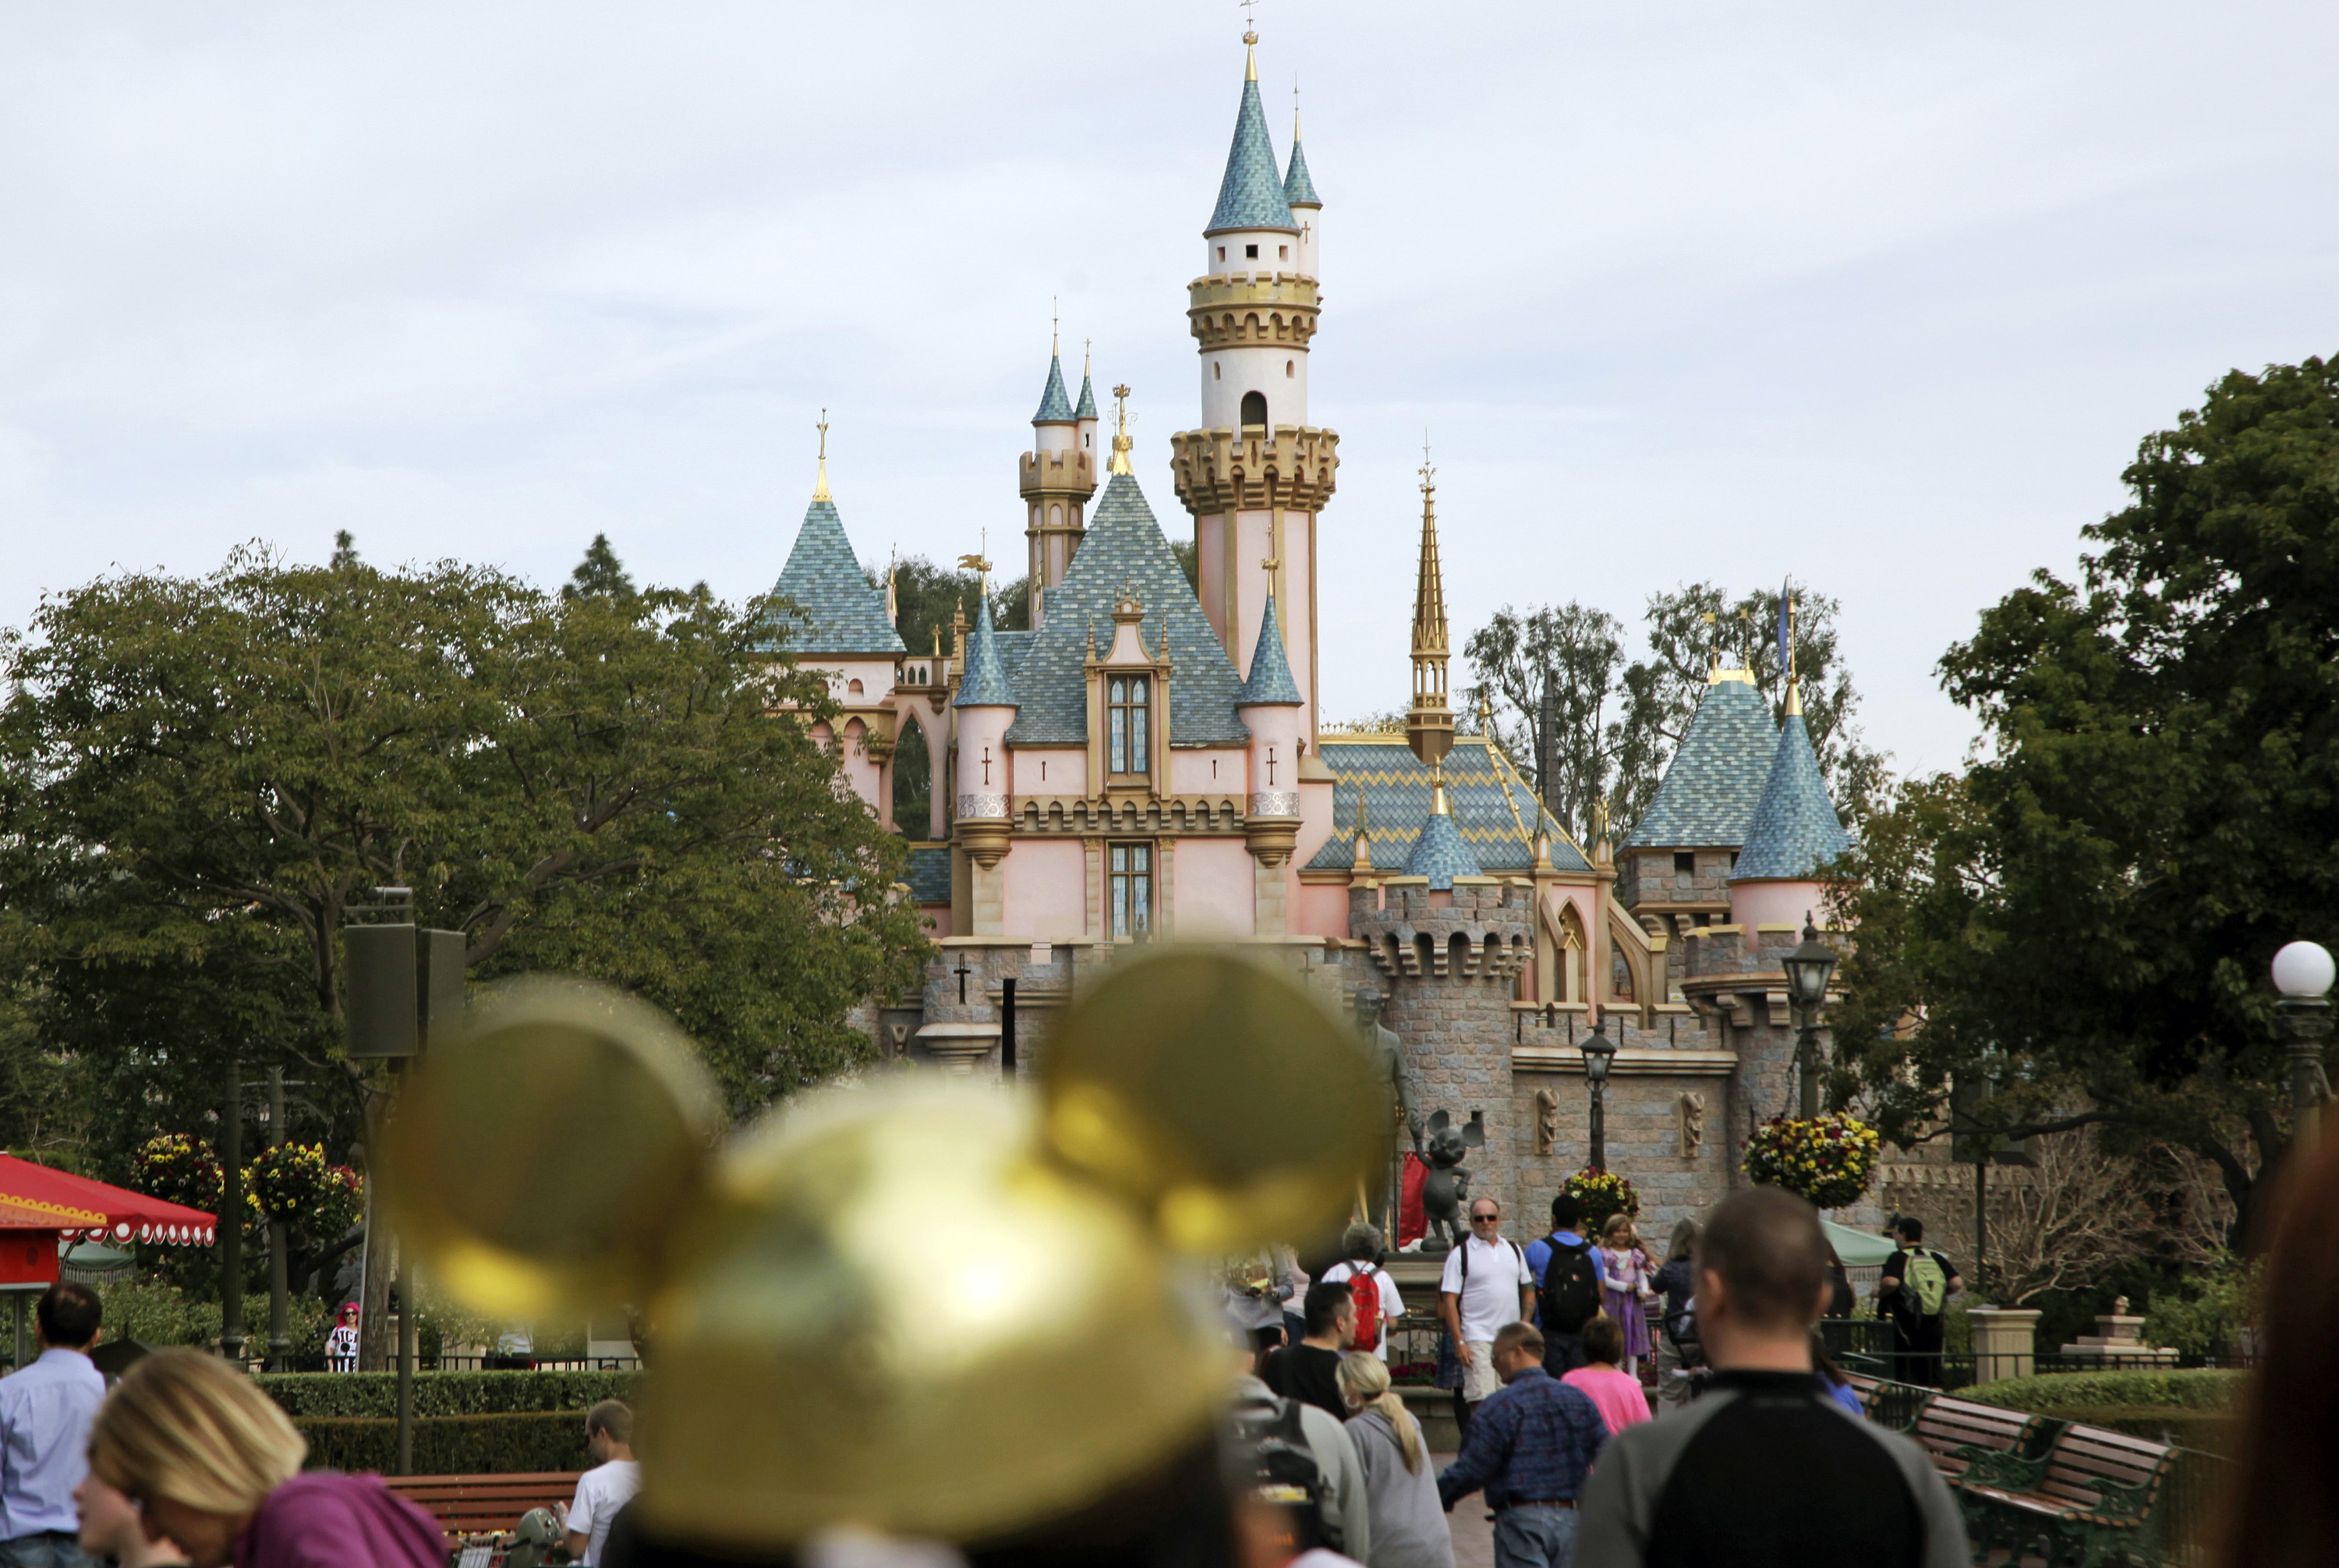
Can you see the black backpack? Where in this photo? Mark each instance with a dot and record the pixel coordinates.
(1569, 1294)
(1274, 1465)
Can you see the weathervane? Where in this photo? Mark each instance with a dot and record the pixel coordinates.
(979, 563)
(1428, 469)
(1120, 442)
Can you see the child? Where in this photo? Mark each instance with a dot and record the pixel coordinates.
(1625, 1273)
(1621, 1399)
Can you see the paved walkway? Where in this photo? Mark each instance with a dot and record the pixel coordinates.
(1474, 1537)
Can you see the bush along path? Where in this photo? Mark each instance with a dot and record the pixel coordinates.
(466, 1422)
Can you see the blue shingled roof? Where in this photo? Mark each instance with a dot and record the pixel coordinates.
(1013, 647)
(985, 683)
(1440, 854)
(1795, 830)
(1494, 811)
(1055, 408)
(929, 873)
(1250, 196)
(1710, 788)
(1087, 409)
(839, 612)
(1298, 190)
(1270, 673)
(1123, 544)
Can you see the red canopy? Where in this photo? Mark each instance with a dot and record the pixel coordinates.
(34, 1198)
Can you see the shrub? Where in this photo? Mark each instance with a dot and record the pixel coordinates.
(156, 1314)
(504, 1445)
(2209, 1316)
(2191, 1388)
(374, 1394)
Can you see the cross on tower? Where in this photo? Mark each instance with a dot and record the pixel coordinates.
(1250, 16)
(962, 971)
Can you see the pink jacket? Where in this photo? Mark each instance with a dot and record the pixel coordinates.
(1619, 1397)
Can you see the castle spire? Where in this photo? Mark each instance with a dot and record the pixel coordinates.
(1429, 722)
(820, 485)
(1086, 408)
(1250, 193)
(1120, 442)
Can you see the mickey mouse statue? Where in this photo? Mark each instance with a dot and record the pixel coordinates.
(1446, 1191)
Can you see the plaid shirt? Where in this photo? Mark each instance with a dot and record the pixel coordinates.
(1535, 1439)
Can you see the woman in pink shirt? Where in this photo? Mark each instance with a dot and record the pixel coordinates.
(1618, 1393)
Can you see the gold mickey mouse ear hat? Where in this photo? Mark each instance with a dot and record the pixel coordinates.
(930, 1309)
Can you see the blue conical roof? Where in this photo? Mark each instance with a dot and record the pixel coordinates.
(1795, 830)
(1055, 408)
(1715, 779)
(1087, 409)
(985, 685)
(1440, 854)
(840, 612)
(1250, 196)
(1298, 190)
(1270, 673)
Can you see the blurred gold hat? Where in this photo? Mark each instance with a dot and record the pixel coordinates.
(928, 1308)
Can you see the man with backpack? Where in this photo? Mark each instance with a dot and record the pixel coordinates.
(1485, 1285)
(1913, 1291)
(1378, 1305)
(1567, 1286)
(1294, 1470)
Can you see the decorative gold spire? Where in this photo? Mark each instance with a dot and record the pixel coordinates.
(1429, 722)
(1119, 464)
(820, 485)
(1794, 681)
(1251, 42)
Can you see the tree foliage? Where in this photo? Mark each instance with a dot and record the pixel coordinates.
(2087, 912)
(199, 776)
(1587, 724)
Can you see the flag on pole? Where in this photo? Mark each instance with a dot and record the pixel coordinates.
(1786, 635)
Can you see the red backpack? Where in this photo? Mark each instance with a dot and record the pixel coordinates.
(1365, 1292)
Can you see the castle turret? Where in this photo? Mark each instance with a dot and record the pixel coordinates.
(1056, 479)
(1256, 475)
(1795, 833)
(1306, 207)
(1273, 711)
(984, 708)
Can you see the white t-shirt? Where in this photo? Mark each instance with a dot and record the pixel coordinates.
(1392, 1304)
(1498, 1270)
(600, 1493)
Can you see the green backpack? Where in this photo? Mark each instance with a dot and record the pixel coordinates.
(1927, 1283)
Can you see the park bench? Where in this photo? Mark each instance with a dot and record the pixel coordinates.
(1893, 1404)
(2092, 1489)
(468, 1505)
(1957, 1431)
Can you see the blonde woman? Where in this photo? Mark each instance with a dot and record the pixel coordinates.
(213, 1464)
(1408, 1522)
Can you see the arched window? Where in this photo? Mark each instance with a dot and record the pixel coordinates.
(1254, 409)
(913, 794)
(1056, 517)
(852, 688)
(1214, 370)
(1291, 369)
(1129, 710)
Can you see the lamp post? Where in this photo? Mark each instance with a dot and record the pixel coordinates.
(2303, 974)
(1807, 967)
(1599, 1050)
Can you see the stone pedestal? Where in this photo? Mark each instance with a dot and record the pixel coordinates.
(958, 1047)
(2117, 1341)
(2005, 1341)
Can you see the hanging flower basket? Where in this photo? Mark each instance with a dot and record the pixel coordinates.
(1603, 1193)
(293, 1182)
(1829, 1161)
(179, 1170)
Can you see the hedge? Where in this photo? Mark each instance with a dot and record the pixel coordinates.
(374, 1394)
(2205, 1388)
(451, 1444)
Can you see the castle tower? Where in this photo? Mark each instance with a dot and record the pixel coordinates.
(1256, 475)
(1057, 477)
(1794, 834)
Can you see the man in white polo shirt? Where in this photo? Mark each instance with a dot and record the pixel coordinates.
(1485, 1284)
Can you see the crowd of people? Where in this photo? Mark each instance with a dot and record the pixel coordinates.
(1757, 1461)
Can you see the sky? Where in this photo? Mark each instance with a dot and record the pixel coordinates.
(1880, 297)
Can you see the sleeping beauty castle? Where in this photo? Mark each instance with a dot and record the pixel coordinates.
(1149, 762)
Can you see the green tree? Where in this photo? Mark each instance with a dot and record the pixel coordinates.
(1551, 678)
(928, 597)
(599, 573)
(199, 776)
(2088, 910)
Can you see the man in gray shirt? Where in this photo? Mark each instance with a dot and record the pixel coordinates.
(45, 1411)
(1764, 1470)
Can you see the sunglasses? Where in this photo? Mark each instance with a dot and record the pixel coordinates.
(1484, 1219)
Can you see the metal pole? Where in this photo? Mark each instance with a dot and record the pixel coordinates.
(1981, 1216)
(280, 1338)
(1807, 1061)
(231, 1215)
(2304, 1021)
(1007, 1030)
(1599, 1126)
(409, 1308)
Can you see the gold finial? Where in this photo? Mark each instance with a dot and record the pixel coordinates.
(1428, 469)
(1270, 563)
(1088, 353)
(1250, 40)
(981, 563)
(1438, 805)
(1055, 327)
(1295, 108)
(820, 485)
(1120, 443)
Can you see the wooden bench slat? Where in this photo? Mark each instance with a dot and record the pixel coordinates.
(481, 1504)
